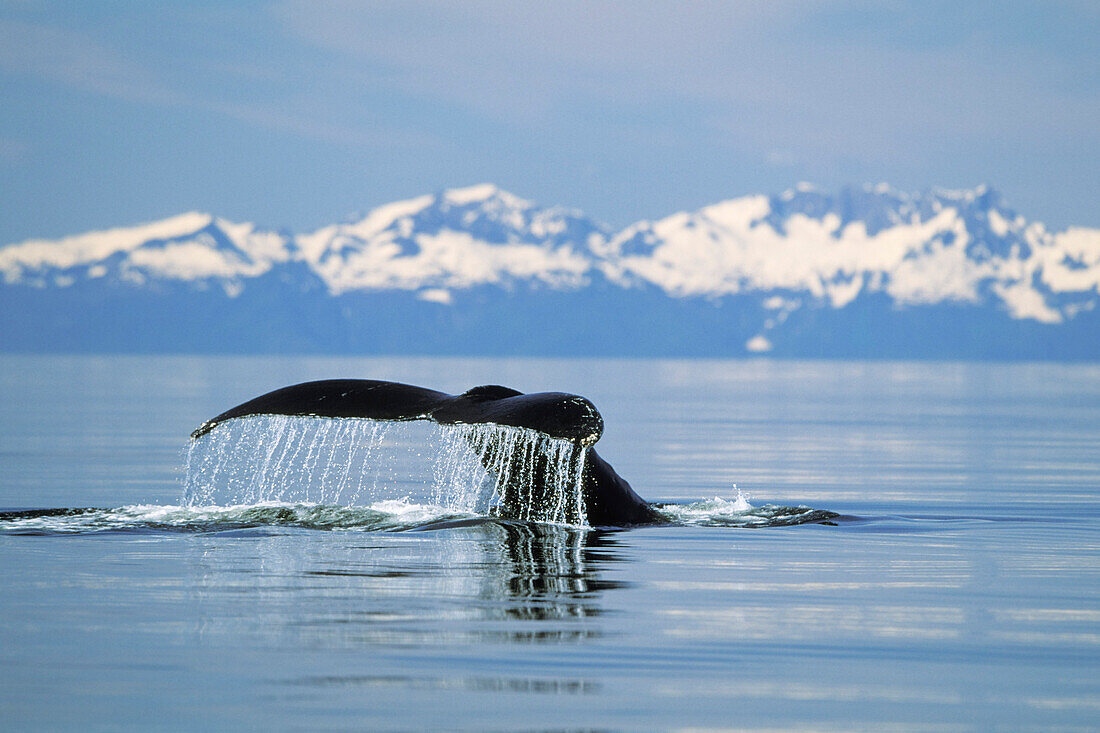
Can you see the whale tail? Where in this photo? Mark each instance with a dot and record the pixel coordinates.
(556, 414)
(607, 499)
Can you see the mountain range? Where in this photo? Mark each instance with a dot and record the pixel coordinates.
(864, 272)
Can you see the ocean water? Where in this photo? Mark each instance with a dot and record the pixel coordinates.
(957, 589)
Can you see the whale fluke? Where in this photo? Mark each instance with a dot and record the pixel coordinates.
(559, 415)
(609, 499)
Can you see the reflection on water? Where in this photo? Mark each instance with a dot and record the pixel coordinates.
(461, 683)
(491, 581)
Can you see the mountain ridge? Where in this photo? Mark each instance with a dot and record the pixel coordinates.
(764, 261)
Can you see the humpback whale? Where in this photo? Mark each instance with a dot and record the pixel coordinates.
(608, 498)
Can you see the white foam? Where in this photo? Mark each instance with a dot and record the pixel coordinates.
(385, 515)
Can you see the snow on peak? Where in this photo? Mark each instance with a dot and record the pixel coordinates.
(805, 245)
(758, 344)
(190, 246)
(478, 193)
(36, 255)
(920, 249)
(313, 246)
(461, 238)
(74, 250)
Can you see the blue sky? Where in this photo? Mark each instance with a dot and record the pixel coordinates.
(298, 114)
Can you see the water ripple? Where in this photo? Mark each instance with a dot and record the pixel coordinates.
(382, 516)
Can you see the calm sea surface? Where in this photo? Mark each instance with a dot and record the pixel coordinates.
(958, 590)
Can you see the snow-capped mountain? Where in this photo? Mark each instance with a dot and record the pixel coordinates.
(456, 240)
(942, 247)
(865, 271)
(191, 247)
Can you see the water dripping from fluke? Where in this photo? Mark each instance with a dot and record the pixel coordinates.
(462, 469)
(536, 448)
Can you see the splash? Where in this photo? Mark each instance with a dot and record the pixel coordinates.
(719, 512)
(480, 469)
(741, 504)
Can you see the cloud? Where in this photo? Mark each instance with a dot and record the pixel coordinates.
(882, 83)
(76, 60)
(321, 128)
(852, 80)
(517, 58)
(668, 102)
